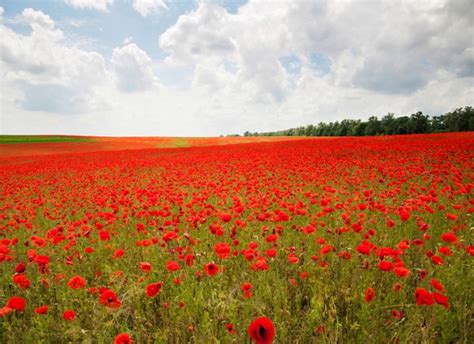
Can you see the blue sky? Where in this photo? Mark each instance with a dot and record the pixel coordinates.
(107, 30)
(203, 68)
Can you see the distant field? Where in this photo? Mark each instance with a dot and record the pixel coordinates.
(29, 145)
(40, 138)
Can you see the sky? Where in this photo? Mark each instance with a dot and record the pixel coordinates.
(209, 68)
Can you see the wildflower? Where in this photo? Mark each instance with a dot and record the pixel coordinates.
(262, 331)
(76, 282)
(42, 309)
(122, 338)
(153, 289)
(69, 315)
(109, 299)
(369, 294)
(211, 269)
(17, 303)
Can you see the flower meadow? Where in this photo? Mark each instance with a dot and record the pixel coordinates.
(301, 241)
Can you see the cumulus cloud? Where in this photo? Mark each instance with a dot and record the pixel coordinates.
(260, 68)
(201, 35)
(211, 35)
(37, 18)
(43, 59)
(133, 68)
(394, 47)
(147, 7)
(99, 5)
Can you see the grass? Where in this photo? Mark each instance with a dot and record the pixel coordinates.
(180, 143)
(12, 139)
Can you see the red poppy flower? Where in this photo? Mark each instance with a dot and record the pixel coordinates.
(20, 268)
(436, 284)
(262, 331)
(118, 253)
(398, 315)
(385, 265)
(404, 215)
(168, 236)
(189, 259)
(449, 237)
(271, 252)
(292, 259)
(246, 288)
(145, 266)
(369, 294)
(230, 328)
(69, 315)
(153, 289)
(104, 235)
(211, 269)
(77, 282)
(401, 271)
(122, 338)
(21, 280)
(451, 217)
(225, 217)
(17, 303)
(423, 297)
(364, 249)
(5, 310)
(445, 251)
(42, 309)
(260, 265)
(304, 275)
(109, 299)
(441, 300)
(222, 250)
(172, 266)
(88, 250)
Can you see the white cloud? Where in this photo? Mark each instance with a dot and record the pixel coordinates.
(51, 75)
(133, 68)
(248, 41)
(1, 11)
(147, 7)
(201, 35)
(37, 18)
(99, 5)
(395, 47)
(261, 68)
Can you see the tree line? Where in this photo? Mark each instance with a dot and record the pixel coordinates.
(461, 119)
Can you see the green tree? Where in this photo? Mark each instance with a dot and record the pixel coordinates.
(388, 124)
(373, 126)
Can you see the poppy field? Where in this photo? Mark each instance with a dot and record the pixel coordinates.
(329, 240)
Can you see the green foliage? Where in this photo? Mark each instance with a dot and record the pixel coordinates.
(181, 143)
(40, 139)
(461, 119)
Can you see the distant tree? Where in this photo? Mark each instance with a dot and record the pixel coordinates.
(437, 124)
(401, 125)
(300, 131)
(418, 123)
(388, 124)
(373, 126)
(461, 119)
